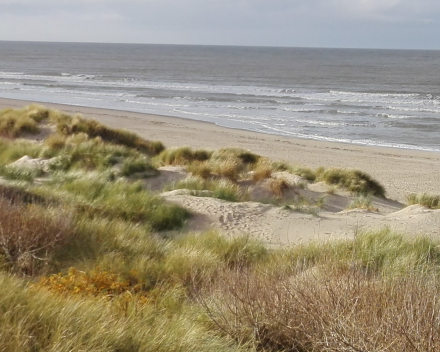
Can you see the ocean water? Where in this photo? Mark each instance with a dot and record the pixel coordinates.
(369, 97)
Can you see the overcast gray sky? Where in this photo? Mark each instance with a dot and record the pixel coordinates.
(309, 23)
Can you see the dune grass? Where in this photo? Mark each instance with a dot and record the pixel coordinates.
(95, 195)
(16, 122)
(334, 296)
(181, 156)
(354, 181)
(34, 319)
(104, 278)
(77, 124)
(427, 200)
(216, 188)
(362, 201)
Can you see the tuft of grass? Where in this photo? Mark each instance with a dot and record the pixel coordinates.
(134, 165)
(305, 172)
(229, 169)
(15, 122)
(263, 170)
(78, 124)
(200, 169)
(353, 180)
(241, 155)
(55, 141)
(182, 156)
(96, 196)
(20, 173)
(12, 150)
(278, 187)
(221, 189)
(232, 162)
(363, 201)
(237, 252)
(429, 201)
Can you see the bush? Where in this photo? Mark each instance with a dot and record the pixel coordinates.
(334, 296)
(29, 235)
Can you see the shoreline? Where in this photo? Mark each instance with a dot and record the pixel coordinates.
(401, 171)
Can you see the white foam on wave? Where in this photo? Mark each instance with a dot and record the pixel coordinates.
(391, 116)
(322, 123)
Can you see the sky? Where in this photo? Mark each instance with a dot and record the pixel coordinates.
(392, 24)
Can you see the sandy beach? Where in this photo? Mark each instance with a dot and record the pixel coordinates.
(400, 171)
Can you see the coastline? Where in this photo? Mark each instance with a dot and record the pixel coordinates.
(401, 171)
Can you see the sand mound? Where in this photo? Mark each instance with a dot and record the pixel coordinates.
(26, 162)
(283, 225)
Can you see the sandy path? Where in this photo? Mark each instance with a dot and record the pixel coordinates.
(277, 226)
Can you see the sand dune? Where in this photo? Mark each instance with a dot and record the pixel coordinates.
(400, 171)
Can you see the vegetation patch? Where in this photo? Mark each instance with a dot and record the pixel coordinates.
(181, 156)
(93, 128)
(353, 180)
(16, 122)
(95, 196)
(30, 234)
(362, 201)
(221, 189)
(429, 201)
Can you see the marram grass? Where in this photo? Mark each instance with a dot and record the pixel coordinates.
(115, 283)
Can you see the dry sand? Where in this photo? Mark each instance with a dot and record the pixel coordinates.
(400, 171)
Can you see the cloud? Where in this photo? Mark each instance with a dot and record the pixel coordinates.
(349, 23)
(386, 10)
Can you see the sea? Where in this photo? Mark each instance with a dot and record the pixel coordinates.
(387, 98)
